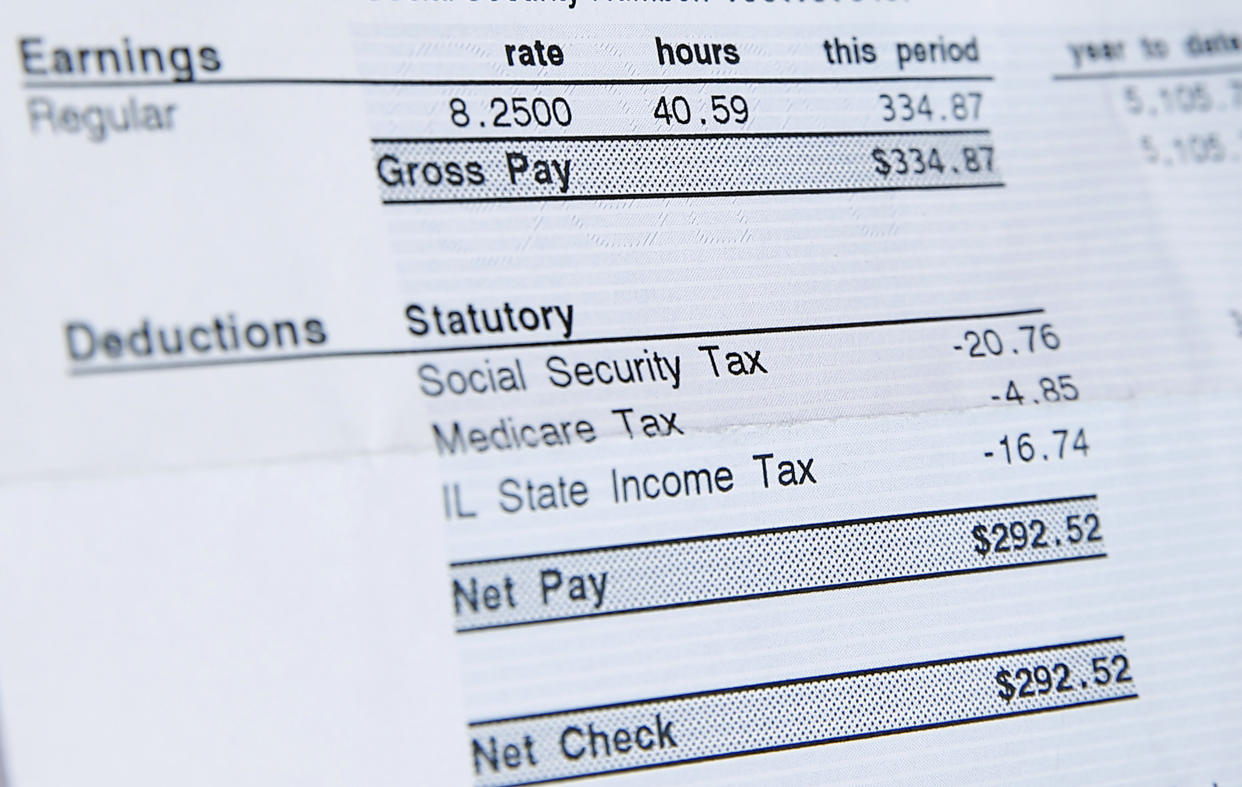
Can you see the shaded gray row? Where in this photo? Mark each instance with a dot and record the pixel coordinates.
(685, 572)
(439, 170)
(790, 714)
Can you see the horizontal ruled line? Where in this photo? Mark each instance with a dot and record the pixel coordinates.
(1150, 73)
(797, 681)
(83, 371)
(49, 84)
(688, 135)
(838, 739)
(693, 194)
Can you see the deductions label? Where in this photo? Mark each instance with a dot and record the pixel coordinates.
(528, 589)
(701, 165)
(710, 725)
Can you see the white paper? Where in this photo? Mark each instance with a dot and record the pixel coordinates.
(677, 393)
